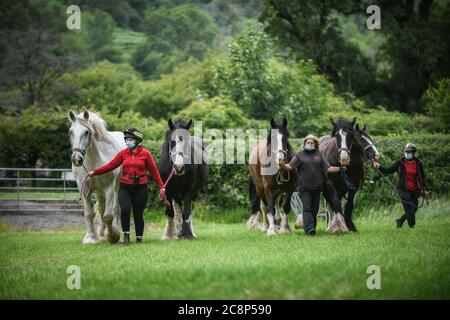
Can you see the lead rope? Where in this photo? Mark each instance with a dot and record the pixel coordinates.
(280, 179)
(396, 192)
(86, 185)
(163, 197)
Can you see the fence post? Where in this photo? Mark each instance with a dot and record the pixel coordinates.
(18, 191)
(64, 190)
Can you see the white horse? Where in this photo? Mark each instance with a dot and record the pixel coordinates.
(92, 147)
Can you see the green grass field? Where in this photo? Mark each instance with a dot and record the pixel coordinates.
(228, 261)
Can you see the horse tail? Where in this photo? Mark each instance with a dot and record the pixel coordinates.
(253, 197)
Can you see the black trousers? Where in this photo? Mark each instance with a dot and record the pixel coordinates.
(410, 201)
(311, 202)
(133, 197)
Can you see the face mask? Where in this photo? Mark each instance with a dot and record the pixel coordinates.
(130, 144)
(309, 147)
(408, 155)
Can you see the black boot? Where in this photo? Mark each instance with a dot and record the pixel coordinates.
(126, 239)
(138, 240)
(399, 222)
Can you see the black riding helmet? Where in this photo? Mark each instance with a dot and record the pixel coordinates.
(133, 133)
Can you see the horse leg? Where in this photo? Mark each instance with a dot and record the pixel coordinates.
(265, 224)
(178, 220)
(253, 221)
(270, 213)
(284, 227)
(277, 217)
(99, 210)
(336, 222)
(168, 232)
(349, 211)
(112, 234)
(186, 231)
(90, 236)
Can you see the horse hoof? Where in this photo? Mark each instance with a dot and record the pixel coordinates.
(89, 239)
(299, 223)
(271, 232)
(252, 223)
(187, 236)
(113, 236)
(285, 230)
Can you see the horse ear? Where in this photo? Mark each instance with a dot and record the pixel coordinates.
(272, 123)
(285, 122)
(189, 124)
(353, 121)
(357, 126)
(171, 125)
(365, 127)
(72, 116)
(86, 115)
(332, 122)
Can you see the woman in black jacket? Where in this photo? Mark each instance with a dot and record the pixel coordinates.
(411, 183)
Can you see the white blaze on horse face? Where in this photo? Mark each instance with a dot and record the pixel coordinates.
(377, 154)
(179, 153)
(344, 155)
(279, 157)
(79, 137)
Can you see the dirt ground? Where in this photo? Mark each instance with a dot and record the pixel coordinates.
(42, 221)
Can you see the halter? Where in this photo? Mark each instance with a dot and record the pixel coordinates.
(83, 151)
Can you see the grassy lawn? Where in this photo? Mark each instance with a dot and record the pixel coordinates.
(228, 261)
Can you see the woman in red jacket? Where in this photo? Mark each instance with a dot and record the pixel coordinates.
(133, 193)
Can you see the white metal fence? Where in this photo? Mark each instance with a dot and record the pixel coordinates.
(38, 190)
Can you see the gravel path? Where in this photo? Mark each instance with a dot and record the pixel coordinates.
(42, 221)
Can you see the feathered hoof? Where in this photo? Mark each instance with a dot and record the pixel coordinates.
(113, 236)
(271, 231)
(186, 232)
(337, 225)
(252, 223)
(264, 227)
(299, 222)
(89, 239)
(285, 230)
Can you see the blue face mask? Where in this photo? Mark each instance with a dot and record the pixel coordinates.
(130, 144)
(309, 147)
(408, 155)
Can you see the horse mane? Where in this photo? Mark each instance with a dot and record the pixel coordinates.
(95, 124)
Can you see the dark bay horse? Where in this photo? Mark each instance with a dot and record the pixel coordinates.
(185, 159)
(349, 146)
(269, 185)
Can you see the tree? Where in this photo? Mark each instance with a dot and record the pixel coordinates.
(173, 35)
(31, 64)
(311, 30)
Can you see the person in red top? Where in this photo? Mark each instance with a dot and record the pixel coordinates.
(133, 193)
(411, 183)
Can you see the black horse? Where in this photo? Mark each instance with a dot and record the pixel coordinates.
(184, 159)
(349, 146)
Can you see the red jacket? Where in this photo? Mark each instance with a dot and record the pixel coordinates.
(133, 164)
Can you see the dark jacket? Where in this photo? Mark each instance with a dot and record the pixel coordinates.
(311, 167)
(399, 167)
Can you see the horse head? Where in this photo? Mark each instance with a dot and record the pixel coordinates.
(367, 143)
(280, 145)
(179, 144)
(344, 132)
(80, 137)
